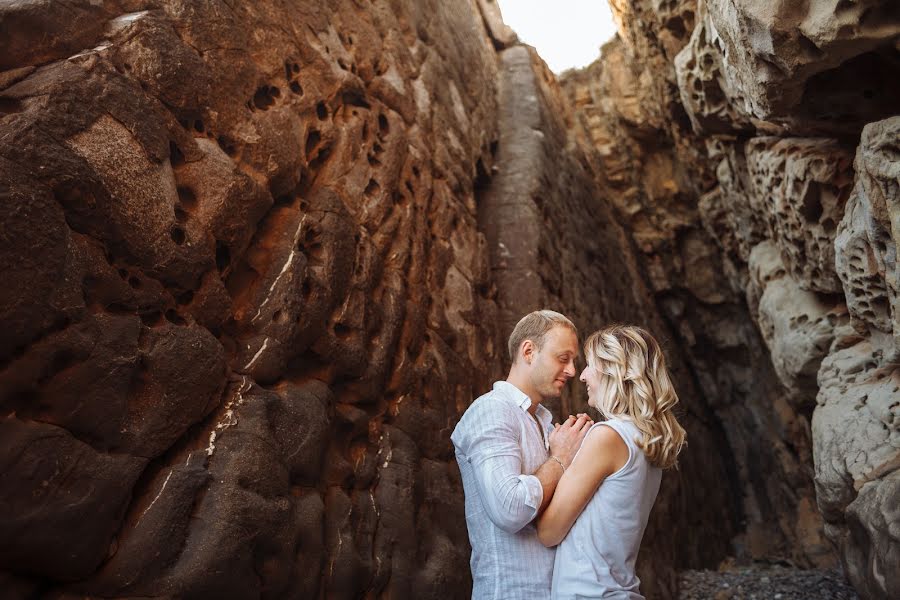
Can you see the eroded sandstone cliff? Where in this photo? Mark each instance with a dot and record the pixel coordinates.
(244, 295)
(753, 151)
(259, 257)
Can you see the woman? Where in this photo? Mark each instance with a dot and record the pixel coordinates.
(602, 502)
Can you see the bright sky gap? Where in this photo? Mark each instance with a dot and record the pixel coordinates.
(566, 33)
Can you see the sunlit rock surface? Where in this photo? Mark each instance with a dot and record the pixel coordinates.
(827, 65)
(245, 296)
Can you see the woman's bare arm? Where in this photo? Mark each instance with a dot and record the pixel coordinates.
(602, 454)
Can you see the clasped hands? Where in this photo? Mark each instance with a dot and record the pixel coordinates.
(565, 439)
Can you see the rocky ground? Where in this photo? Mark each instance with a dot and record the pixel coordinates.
(765, 582)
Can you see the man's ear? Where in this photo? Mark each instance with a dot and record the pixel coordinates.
(528, 351)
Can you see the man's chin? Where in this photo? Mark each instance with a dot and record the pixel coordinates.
(552, 394)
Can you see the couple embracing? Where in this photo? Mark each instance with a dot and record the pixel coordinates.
(558, 511)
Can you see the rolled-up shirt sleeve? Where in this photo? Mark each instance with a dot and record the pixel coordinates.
(491, 445)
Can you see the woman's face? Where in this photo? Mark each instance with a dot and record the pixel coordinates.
(592, 378)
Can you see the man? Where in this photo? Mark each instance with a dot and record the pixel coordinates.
(511, 459)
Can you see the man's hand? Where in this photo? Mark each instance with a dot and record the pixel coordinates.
(565, 439)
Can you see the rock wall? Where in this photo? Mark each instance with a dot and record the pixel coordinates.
(259, 260)
(245, 298)
(555, 240)
(754, 155)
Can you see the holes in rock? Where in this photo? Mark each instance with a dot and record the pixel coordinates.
(846, 31)
(117, 308)
(811, 206)
(10, 106)
(837, 95)
(383, 125)
(311, 244)
(134, 282)
(320, 158)
(372, 188)
(312, 139)
(481, 183)
(321, 111)
(808, 48)
(843, 6)
(185, 297)
(223, 256)
(226, 145)
(342, 331)
(876, 16)
(198, 126)
(180, 215)
(285, 200)
(365, 131)
(176, 156)
(676, 26)
(355, 99)
(296, 88)
(280, 317)
(187, 197)
(880, 305)
(151, 318)
(265, 97)
(177, 234)
(174, 318)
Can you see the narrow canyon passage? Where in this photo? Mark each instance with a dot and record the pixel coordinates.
(258, 258)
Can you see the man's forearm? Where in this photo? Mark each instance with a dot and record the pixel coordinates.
(549, 475)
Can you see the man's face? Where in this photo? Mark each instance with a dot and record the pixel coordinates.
(554, 364)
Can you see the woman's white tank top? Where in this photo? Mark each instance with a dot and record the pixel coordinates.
(596, 559)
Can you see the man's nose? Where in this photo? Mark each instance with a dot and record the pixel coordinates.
(570, 369)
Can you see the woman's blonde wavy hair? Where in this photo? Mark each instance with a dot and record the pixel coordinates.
(637, 387)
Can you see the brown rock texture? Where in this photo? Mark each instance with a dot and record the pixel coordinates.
(756, 139)
(245, 297)
(259, 257)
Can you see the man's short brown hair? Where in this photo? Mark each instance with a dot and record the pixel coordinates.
(534, 326)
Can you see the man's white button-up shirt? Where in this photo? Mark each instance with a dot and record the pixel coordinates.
(498, 448)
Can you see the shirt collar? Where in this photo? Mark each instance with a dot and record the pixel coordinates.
(523, 401)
